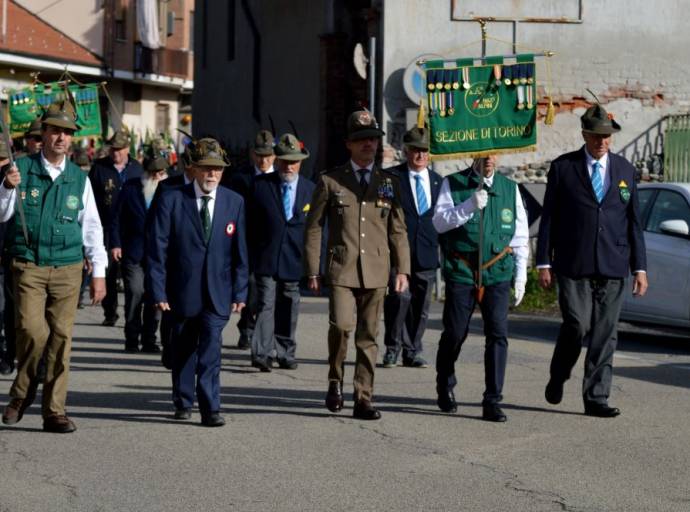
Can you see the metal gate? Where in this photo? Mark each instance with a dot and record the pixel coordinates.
(677, 148)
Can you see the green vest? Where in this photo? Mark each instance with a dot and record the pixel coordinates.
(51, 209)
(499, 227)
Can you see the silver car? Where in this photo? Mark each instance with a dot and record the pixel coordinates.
(665, 213)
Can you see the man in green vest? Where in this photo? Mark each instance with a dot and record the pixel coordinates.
(56, 225)
(504, 239)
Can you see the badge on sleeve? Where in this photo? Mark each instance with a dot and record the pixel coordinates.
(624, 191)
(230, 229)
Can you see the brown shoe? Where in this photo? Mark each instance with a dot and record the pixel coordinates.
(334, 397)
(14, 412)
(59, 424)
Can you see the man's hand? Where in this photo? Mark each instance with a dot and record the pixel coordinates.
(12, 178)
(314, 284)
(162, 306)
(116, 253)
(479, 199)
(640, 284)
(545, 278)
(88, 266)
(401, 283)
(237, 307)
(97, 290)
(519, 292)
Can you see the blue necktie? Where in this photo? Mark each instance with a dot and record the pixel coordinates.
(286, 201)
(597, 182)
(422, 205)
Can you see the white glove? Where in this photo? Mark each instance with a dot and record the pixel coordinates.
(519, 292)
(479, 199)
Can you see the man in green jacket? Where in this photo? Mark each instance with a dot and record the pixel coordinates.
(504, 256)
(56, 225)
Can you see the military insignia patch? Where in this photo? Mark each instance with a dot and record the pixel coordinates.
(506, 215)
(306, 208)
(34, 193)
(364, 118)
(72, 202)
(230, 229)
(624, 191)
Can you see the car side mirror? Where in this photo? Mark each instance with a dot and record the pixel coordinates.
(675, 227)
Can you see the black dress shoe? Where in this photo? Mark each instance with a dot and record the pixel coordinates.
(446, 401)
(415, 362)
(244, 343)
(554, 392)
(334, 397)
(183, 414)
(150, 348)
(6, 367)
(264, 366)
(492, 412)
(288, 365)
(601, 410)
(212, 420)
(131, 349)
(166, 358)
(365, 411)
(111, 321)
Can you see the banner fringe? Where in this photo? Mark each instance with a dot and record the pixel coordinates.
(480, 154)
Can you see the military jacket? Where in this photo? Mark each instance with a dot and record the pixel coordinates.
(366, 231)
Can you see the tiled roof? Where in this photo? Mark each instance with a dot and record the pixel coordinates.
(29, 35)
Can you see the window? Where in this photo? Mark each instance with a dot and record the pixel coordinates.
(668, 206)
(643, 196)
(162, 118)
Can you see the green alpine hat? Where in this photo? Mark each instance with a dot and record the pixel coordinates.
(207, 152)
(34, 128)
(4, 152)
(363, 125)
(81, 158)
(120, 139)
(417, 138)
(263, 143)
(156, 156)
(62, 115)
(290, 148)
(597, 121)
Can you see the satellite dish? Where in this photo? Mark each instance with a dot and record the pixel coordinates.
(413, 78)
(360, 61)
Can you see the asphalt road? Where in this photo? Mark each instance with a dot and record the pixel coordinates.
(282, 450)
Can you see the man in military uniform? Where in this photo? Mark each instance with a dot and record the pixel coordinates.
(108, 175)
(55, 228)
(405, 314)
(504, 255)
(278, 219)
(241, 181)
(366, 233)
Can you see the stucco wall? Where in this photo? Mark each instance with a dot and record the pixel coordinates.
(632, 54)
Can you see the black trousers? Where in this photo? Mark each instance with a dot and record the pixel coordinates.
(457, 312)
(405, 314)
(590, 309)
(141, 317)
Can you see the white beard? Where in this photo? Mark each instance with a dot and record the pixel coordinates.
(149, 188)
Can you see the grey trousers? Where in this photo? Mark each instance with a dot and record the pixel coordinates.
(137, 330)
(590, 310)
(277, 308)
(405, 314)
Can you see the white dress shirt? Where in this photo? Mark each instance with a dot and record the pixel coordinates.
(259, 172)
(603, 169)
(426, 185)
(367, 176)
(199, 203)
(448, 215)
(88, 218)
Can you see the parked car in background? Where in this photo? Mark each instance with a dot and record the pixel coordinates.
(665, 213)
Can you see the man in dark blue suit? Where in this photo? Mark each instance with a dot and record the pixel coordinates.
(405, 313)
(197, 270)
(108, 175)
(278, 217)
(242, 181)
(590, 237)
(127, 238)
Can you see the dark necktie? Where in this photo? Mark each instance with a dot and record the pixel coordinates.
(205, 218)
(363, 179)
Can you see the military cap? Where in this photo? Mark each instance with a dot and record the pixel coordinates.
(156, 155)
(34, 128)
(263, 143)
(81, 158)
(417, 138)
(290, 148)
(120, 139)
(62, 115)
(362, 125)
(597, 121)
(207, 152)
(4, 152)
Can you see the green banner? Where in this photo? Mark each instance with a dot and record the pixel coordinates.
(480, 110)
(27, 104)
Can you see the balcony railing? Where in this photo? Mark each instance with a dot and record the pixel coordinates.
(164, 61)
